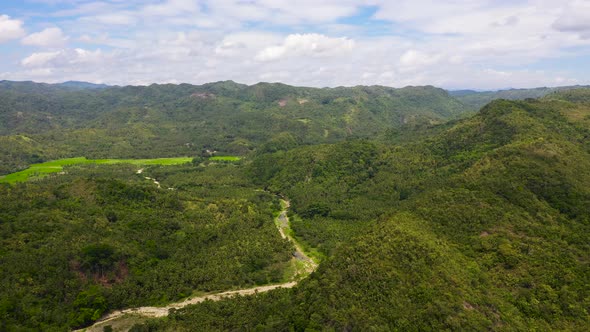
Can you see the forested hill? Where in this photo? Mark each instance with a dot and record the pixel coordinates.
(477, 99)
(481, 226)
(479, 223)
(31, 107)
(29, 86)
(43, 121)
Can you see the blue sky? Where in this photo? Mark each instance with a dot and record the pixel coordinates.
(476, 44)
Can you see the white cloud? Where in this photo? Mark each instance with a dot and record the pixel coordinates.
(116, 18)
(575, 18)
(274, 76)
(82, 56)
(244, 44)
(413, 59)
(63, 58)
(10, 28)
(283, 11)
(454, 44)
(306, 45)
(50, 37)
(40, 59)
(172, 8)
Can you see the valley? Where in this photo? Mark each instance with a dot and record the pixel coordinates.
(121, 317)
(38, 171)
(294, 166)
(412, 213)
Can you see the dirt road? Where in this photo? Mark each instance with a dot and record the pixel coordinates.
(282, 223)
(163, 311)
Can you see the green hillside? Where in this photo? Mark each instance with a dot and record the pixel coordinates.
(38, 171)
(422, 217)
(483, 226)
(78, 245)
(45, 122)
(478, 99)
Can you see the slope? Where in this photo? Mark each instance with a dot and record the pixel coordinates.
(102, 237)
(477, 99)
(171, 120)
(483, 226)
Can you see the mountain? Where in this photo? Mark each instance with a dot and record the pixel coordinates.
(477, 99)
(82, 85)
(483, 226)
(94, 239)
(579, 96)
(171, 120)
(422, 215)
(33, 87)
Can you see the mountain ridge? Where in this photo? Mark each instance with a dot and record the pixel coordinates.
(171, 120)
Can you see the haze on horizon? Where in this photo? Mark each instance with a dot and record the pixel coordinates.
(476, 44)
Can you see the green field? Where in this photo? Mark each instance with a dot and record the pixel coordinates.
(225, 158)
(37, 171)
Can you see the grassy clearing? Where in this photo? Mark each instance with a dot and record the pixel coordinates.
(309, 250)
(37, 171)
(296, 270)
(225, 158)
(580, 113)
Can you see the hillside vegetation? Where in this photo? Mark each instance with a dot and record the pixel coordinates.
(78, 245)
(422, 218)
(483, 226)
(38, 171)
(478, 99)
(40, 122)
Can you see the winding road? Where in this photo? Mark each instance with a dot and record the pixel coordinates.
(282, 222)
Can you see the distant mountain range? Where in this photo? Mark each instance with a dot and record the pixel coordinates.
(82, 85)
(477, 99)
(30, 86)
(424, 215)
(472, 98)
(48, 121)
(96, 120)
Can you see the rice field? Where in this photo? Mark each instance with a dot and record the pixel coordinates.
(225, 158)
(36, 171)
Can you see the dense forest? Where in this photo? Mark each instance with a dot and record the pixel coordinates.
(76, 245)
(423, 214)
(478, 99)
(41, 122)
(483, 226)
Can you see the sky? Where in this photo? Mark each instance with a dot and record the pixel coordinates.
(454, 44)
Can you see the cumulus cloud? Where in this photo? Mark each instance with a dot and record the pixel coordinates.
(50, 37)
(284, 11)
(506, 21)
(39, 59)
(63, 58)
(312, 44)
(576, 18)
(120, 18)
(413, 59)
(243, 44)
(453, 44)
(172, 8)
(10, 28)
